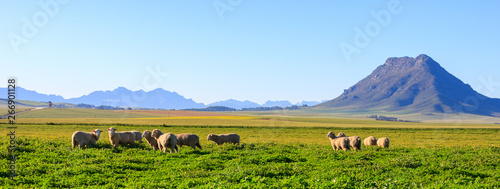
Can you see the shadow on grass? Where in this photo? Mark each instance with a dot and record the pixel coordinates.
(197, 152)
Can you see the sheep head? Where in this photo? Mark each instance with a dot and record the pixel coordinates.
(331, 135)
(156, 133)
(146, 134)
(341, 134)
(97, 133)
(111, 130)
(210, 136)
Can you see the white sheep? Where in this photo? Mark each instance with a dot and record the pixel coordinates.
(120, 138)
(338, 143)
(138, 136)
(354, 141)
(151, 140)
(383, 142)
(370, 141)
(224, 138)
(83, 139)
(166, 140)
(189, 140)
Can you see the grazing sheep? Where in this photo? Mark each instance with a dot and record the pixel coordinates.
(189, 140)
(338, 143)
(221, 139)
(354, 141)
(383, 142)
(83, 139)
(138, 136)
(120, 138)
(152, 141)
(370, 141)
(167, 140)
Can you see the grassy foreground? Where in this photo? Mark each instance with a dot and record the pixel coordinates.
(269, 157)
(52, 163)
(276, 152)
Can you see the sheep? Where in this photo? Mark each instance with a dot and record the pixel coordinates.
(383, 142)
(370, 141)
(354, 141)
(189, 140)
(167, 140)
(83, 139)
(338, 143)
(224, 138)
(138, 136)
(151, 140)
(120, 138)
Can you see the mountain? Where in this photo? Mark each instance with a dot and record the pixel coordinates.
(123, 97)
(414, 85)
(24, 94)
(282, 103)
(248, 104)
(235, 104)
(309, 103)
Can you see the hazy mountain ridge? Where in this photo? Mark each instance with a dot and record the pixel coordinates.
(158, 98)
(231, 103)
(120, 96)
(414, 85)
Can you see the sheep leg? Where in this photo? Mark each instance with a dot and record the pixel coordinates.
(198, 144)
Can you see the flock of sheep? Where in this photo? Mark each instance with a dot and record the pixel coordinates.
(156, 139)
(341, 141)
(164, 141)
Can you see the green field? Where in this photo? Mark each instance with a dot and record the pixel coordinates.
(276, 152)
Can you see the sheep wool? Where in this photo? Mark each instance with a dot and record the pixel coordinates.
(120, 138)
(224, 138)
(189, 140)
(83, 138)
(166, 140)
(138, 136)
(383, 142)
(338, 142)
(370, 141)
(150, 139)
(354, 141)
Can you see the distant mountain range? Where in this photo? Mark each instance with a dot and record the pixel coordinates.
(158, 98)
(414, 85)
(248, 104)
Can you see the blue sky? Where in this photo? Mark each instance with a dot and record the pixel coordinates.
(246, 50)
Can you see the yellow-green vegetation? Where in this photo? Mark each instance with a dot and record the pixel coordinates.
(190, 118)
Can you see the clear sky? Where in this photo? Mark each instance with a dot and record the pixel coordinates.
(253, 50)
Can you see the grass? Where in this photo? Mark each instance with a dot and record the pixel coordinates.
(399, 137)
(52, 163)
